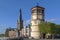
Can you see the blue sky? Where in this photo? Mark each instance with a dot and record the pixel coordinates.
(9, 11)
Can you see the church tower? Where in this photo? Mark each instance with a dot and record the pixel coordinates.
(20, 24)
(37, 16)
(20, 21)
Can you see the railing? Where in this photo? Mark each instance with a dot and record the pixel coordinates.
(8, 38)
(4, 38)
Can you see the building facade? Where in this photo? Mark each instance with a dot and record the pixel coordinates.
(11, 32)
(27, 32)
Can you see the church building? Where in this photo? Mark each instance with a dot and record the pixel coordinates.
(20, 25)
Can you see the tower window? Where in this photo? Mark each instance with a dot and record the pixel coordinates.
(42, 11)
(38, 10)
(33, 11)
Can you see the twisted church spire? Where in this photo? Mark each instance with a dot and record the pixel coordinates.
(20, 21)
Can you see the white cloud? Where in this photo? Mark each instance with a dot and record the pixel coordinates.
(26, 22)
(2, 29)
(49, 20)
(53, 19)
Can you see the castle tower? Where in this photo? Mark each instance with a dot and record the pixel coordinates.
(20, 23)
(37, 16)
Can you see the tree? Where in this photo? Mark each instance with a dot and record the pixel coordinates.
(57, 30)
(46, 27)
(6, 32)
(2, 35)
(42, 28)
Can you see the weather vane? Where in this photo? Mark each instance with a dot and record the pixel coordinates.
(37, 3)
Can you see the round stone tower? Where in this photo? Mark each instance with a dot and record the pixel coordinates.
(37, 16)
